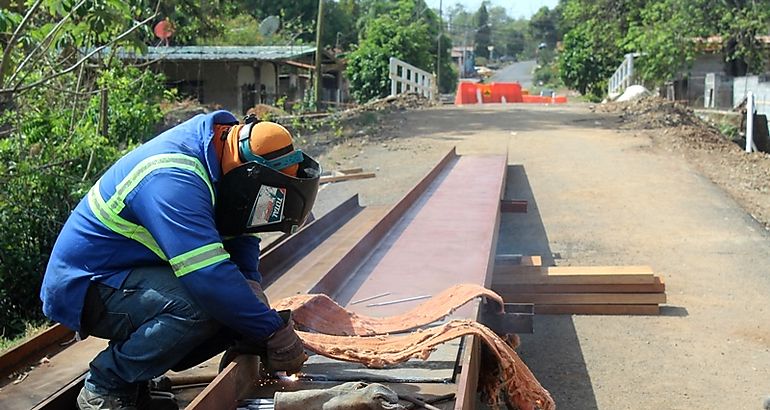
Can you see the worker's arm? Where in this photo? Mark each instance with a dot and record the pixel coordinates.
(244, 253)
(176, 208)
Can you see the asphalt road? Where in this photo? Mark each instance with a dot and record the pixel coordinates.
(520, 71)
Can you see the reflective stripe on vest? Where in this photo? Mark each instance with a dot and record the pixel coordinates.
(198, 258)
(108, 211)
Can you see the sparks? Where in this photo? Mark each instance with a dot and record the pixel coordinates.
(283, 377)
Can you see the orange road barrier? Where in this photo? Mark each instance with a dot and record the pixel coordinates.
(478, 93)
(466, 93)
(508, 92)
(537, 99)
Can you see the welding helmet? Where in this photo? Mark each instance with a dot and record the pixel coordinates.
(274, 186)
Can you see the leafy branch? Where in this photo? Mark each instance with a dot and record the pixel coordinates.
(19, 87)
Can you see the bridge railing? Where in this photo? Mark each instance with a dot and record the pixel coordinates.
(405, 78)
(623, 76)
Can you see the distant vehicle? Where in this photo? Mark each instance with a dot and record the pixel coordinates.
(484, 71)
(508, 59)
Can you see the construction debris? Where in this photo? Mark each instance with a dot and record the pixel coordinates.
(651, 113)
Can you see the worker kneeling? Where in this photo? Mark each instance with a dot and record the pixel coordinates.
(161, 256)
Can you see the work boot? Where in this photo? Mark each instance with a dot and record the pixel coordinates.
(88, 400)
(149, 399)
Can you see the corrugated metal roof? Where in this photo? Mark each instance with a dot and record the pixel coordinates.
(223, 53)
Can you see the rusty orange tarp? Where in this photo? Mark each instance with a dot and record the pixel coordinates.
(348, 336)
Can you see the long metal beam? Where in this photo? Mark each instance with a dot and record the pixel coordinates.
(444, 233)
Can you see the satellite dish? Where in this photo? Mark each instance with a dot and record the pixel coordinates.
(269, 26)
(164, 30)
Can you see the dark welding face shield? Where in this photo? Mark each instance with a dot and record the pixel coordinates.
(256, 197)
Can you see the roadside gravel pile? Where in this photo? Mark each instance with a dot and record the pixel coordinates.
(399, 102)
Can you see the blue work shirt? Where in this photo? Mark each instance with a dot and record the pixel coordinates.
(175, 205)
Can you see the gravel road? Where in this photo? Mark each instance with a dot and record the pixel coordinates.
(603, 196)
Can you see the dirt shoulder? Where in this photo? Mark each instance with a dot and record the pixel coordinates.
(676, 129)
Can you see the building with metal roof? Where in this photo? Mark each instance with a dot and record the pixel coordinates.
(239, 77)
(220, 53)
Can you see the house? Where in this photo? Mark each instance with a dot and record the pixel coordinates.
(708, 82)
(239, 77)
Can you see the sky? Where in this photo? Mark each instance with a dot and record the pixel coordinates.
(515, 8)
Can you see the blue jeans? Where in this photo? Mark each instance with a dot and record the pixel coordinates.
(153, 325)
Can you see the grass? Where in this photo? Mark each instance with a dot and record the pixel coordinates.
(31, 330)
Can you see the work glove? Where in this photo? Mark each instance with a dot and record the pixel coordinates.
(284, 348)
(351, 395)
(256, 287)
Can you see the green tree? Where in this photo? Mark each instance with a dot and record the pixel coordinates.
(543, 26)
(586, 63)
(594, 41)
(404, 29)
(305, 11)
(460, 26)
(483, 32)
(340, 23)
(667, 33)
(664, 38)
(52, 145)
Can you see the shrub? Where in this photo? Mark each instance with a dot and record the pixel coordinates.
(52, 156)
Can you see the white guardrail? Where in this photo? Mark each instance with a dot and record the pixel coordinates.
(624, 75)
(405, 78)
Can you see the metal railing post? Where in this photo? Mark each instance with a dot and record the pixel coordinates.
(750, 122)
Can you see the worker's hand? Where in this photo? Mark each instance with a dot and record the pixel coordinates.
(284, 348)
(258, 292)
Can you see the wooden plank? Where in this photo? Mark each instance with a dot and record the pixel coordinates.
(505, 269)
(587, 298)
(592, 270)
(586, 279)
(597, 309)
(657, 287)
(351, 171)
(347, 177)
(534, 260)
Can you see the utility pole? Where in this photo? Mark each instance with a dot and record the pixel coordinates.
(438, 51)
(318, 55)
